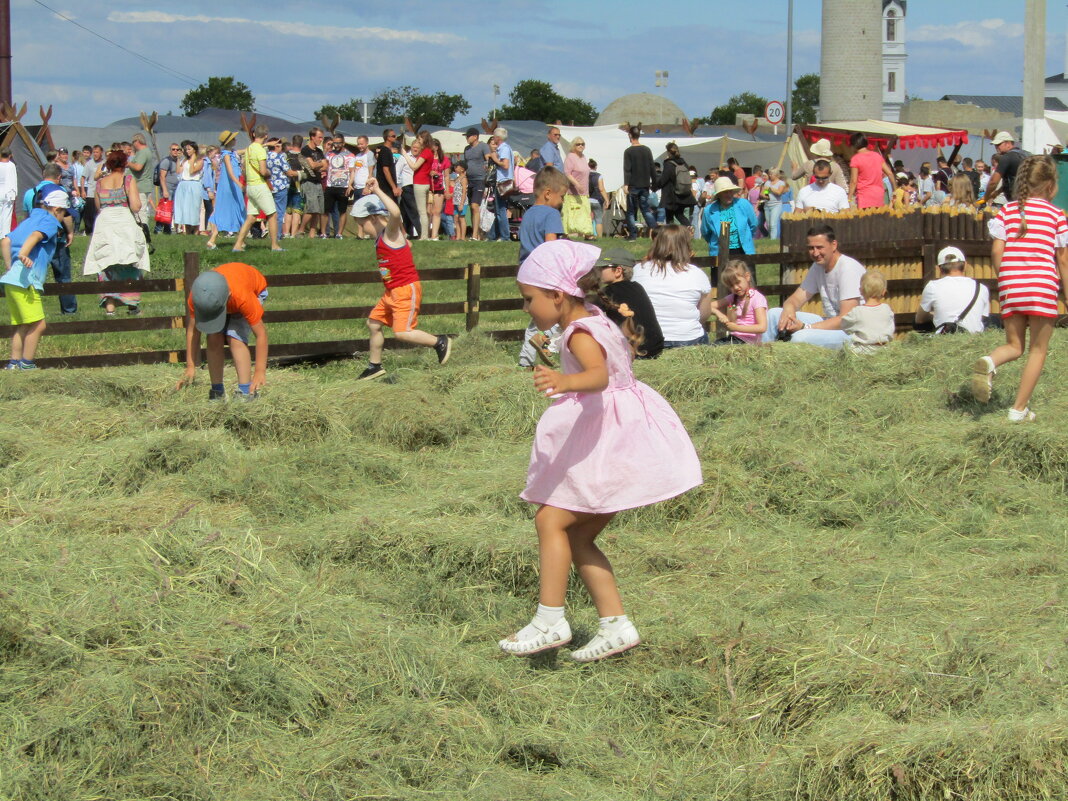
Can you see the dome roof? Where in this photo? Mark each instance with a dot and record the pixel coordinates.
(642, 107)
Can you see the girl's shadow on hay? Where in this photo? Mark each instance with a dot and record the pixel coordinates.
(962, 401)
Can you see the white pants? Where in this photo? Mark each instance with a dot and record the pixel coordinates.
(6, 208)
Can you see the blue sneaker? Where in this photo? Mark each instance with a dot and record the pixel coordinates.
(12, 365)
(27, 365)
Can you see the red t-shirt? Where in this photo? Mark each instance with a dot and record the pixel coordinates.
(396, 264)
(422, 175)
(246, 283)
(870, 190)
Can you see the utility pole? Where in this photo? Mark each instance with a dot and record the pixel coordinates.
(5, 52)
(1034, 88)
(789, 67)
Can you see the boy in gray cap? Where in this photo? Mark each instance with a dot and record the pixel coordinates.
(227, 304)
(618, 290)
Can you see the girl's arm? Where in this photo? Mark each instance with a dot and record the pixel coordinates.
(592, 378)
(1062, 268)
(259, 374)
(704, 307)
(28, 246)
(759, 327)
(5, 251)
(852, 191)
(997, 250)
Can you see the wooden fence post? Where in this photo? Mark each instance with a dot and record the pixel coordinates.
(189, 275)
(474, 289)
(724, 255)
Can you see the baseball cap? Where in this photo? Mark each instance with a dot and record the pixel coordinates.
(471, 132)
(56, 199)
(1004, 136)
(950, 254)
(369, 206)
(210, 293)
(616, 257)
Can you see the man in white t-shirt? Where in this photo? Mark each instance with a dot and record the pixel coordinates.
(944, 299)
(822, 193)
(365, 164)
(833, 276)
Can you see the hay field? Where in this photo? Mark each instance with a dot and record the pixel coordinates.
(300, 598)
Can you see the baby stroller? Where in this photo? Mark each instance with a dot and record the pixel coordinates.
(518, 204)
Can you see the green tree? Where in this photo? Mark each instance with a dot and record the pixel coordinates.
(537, 100)
(806, 99)
(392, 105)
(347, 111)
(743, 103)
(218, 92)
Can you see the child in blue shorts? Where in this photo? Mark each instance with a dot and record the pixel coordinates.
(27, 252)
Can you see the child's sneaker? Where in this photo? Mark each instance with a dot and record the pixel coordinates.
(1026, 416)
(13, 364)
(244, 397)
(443, 347)
(27, 365)
(608, 641)
(371, 371)
(537, 637)
(983, 378)
(217, 394)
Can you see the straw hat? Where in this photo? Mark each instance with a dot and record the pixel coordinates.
(723, 184)
(821, 148)
(227, 136)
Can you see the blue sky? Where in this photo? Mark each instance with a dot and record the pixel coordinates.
(297, 56)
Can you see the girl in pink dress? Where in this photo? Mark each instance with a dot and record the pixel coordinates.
(607, 443)
(1030, 254)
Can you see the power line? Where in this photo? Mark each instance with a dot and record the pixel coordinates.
(181, 76)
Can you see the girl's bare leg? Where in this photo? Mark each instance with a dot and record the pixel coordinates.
(1041, 329)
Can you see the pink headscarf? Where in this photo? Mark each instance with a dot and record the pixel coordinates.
(559, 265)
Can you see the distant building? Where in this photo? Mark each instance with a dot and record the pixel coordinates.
(650, 110)
(893, 58)
(851, 64)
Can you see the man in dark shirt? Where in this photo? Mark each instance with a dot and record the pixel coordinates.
(637, 178)
(1010, 158)
(943, 175)
(385, 169)
(314, 221)
(475, 155)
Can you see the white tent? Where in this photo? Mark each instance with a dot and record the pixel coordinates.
(605, 145)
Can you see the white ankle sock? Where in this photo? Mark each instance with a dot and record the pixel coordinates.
(549, 614)
(614, 623)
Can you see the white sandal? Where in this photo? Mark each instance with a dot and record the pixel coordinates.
(547, 637)
(983, 379)
(1026, 416)
(606, 643)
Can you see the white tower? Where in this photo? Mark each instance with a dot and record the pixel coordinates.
(850, 61)
(893, 58)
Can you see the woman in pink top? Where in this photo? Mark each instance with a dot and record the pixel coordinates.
(420, 165)
(866, 171)
(578, 219)
(439, 173)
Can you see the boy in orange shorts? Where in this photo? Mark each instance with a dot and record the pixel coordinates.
(227, 305)
(398, 308)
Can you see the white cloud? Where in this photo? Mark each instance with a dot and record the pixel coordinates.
(987, 33)
(291, 28)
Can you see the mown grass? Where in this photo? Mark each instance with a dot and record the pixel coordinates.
(300, 597)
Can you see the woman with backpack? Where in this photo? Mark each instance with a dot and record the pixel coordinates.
(676, 187)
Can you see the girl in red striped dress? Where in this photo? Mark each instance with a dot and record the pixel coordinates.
(1030, 254)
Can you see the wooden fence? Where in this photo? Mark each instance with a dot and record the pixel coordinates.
(907, 264)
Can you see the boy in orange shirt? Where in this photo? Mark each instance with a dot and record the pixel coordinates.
(398, 307)
(227, 303)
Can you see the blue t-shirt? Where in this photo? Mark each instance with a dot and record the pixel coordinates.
(20, 274)
(504, 153)
(537, 222)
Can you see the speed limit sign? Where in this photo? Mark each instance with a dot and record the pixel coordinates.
(774, 112)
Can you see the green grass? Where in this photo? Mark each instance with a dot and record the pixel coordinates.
(300, 598)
